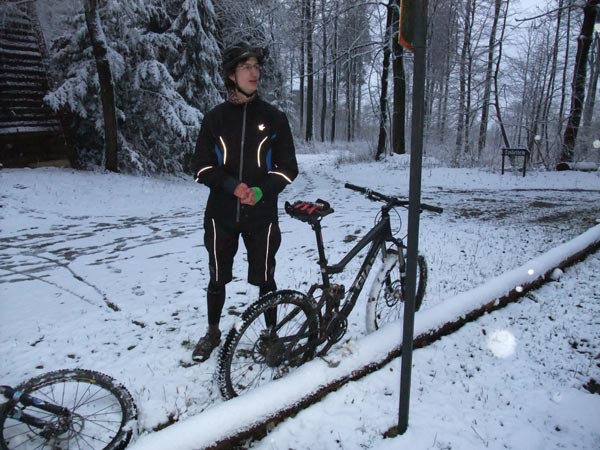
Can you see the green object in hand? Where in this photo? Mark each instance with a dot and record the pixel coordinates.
(258, 194)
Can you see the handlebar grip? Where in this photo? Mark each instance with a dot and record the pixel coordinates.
(355, 188)
(431, 208)
(371, 194)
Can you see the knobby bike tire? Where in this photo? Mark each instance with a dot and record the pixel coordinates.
(253, 355)
(386, 297)
(103, 413)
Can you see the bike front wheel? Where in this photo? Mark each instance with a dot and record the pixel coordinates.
(100, 413)
(386, 298)
(255, 352)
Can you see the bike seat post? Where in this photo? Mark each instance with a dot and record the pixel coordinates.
(316, 226)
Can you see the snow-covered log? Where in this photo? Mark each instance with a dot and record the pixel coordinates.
(586, 166)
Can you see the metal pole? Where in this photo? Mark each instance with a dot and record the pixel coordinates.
(414, 197)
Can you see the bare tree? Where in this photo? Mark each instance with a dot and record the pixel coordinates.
(383, 116)
(549, 94)
(579, 77)
(590, 102)
(334, 75)
(399, 99)
(324, 71)
(302, 63)
(496, 73)
(563, 95)
(309, 14)
(462, 128)
(483, 125)
(442, 40)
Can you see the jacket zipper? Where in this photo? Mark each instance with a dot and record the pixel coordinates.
(241, 173)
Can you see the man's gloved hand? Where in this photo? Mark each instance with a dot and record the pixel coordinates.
(247, 195)
(258, 194)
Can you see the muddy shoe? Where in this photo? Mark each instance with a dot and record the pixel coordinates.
(206, 345)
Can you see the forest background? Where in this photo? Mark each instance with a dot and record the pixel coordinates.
(498, 75)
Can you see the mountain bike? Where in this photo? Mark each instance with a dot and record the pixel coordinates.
(285, 328)
(66, 409)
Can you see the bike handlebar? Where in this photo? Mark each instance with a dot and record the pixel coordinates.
(378, 196)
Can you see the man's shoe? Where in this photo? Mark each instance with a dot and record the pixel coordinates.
(206, 345)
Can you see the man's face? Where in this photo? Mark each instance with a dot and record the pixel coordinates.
(246, 75)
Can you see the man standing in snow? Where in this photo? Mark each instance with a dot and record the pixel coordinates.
(245, 154)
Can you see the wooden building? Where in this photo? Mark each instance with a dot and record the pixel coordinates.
(31, 133)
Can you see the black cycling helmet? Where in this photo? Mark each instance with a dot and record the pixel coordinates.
(238, 53)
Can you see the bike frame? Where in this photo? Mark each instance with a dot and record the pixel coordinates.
(309, 324)
(377, 237)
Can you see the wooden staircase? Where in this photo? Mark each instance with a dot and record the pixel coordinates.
(31, 134)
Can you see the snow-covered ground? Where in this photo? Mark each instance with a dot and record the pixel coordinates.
(78, 245)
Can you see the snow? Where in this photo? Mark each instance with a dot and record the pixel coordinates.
(74, 242)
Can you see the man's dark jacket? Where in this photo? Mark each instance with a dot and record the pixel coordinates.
(250, 143)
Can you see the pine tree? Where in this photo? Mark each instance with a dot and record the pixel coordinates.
(158, 103)
(197, 69)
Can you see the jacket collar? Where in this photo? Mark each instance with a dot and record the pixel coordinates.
(233, 98)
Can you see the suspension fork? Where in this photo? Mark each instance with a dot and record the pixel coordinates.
(19, 398)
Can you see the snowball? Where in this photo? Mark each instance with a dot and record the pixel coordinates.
(501, 343)
(556, 274)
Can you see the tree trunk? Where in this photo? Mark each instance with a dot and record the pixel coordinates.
(383, 117)
(593, 86)
(359, 98)
(349, 97)
(542, 128)
(334, 81)
(497, 70)
(308, 4)
(355, 93)
(488, 81)
(302, 63)
(563, 96)
(443, 126)
(399, 106)
(324, 75)
(579, 75)
(107, 93)
(462, 119)
(469, 81)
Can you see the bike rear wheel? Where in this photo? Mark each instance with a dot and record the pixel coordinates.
(254, 353)
(101, 413)
(388, 292)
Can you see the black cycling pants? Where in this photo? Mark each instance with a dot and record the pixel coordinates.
(261, 245)
(222, 244)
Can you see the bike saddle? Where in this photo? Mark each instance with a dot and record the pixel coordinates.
(308, 211)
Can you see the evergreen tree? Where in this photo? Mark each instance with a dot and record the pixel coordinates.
(197, 69)
(158, 122)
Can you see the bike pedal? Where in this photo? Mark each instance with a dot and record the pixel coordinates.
(330, 363)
